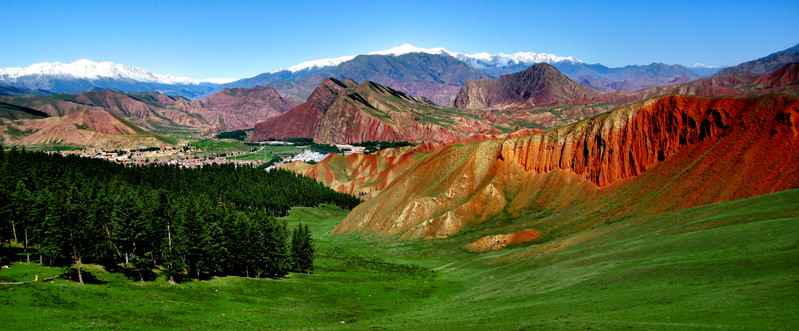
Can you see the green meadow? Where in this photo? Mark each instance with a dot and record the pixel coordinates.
(732, 265)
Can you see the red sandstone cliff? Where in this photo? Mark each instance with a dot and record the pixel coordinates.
(652, 156)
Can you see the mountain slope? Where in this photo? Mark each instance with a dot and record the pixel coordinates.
(630, 162)
(541, 85)
(765, 64)
(783, 80)
(226, 110)
(240, 108)
(87, 128)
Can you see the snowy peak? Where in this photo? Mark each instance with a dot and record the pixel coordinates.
(408, 48)
(477, 60)
(704, 66)
(321, 63)
(90, 70)
(500, 60)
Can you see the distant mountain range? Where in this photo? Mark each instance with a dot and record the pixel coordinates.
(347, 112)
(435, 74)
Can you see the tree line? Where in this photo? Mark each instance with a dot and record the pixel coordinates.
(203, 222)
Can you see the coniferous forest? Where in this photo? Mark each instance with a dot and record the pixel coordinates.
(210, 221)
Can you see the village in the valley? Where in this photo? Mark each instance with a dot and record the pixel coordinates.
(270, 154)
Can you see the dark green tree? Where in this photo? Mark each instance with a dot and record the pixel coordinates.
(302, 249)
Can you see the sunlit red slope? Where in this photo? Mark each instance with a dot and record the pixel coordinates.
(367, 175)
(661, 154)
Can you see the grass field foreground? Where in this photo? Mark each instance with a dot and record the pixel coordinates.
(733, 265)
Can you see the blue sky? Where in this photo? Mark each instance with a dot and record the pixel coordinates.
(206, 39)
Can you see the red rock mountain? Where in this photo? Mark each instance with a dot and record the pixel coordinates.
(301, 121)
(539, 86)
(657, 155)
(342, 112)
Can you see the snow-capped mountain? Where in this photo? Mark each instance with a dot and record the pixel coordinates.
(84, 75)
(704, 66)
(704, 70)
(477, 60)
(86, 69)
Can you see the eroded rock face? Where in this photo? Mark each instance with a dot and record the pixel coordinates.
(656, 155)
(625, 143)
(366, 176)
(502, 241)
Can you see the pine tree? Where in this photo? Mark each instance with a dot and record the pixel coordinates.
(302, 250)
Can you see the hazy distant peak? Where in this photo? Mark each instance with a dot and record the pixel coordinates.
(705, 66)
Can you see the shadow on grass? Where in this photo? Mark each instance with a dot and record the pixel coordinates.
(88, 277)
(130, 271)
(139, 274)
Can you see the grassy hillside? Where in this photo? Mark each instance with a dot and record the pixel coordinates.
(730, 265)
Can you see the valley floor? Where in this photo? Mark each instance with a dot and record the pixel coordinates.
(733, 265)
